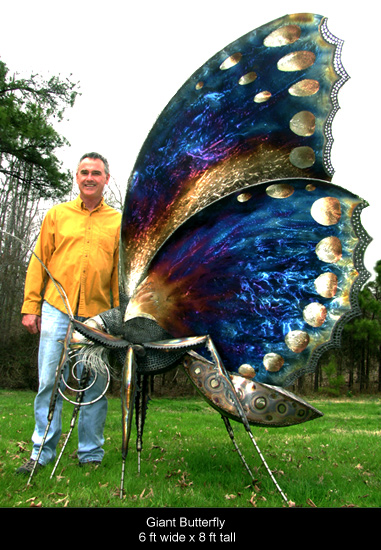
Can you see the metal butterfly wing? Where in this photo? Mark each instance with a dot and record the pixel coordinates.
(231, 227)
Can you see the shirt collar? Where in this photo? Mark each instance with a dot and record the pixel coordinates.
(81, 205)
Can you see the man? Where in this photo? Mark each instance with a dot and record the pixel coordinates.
(79, 245)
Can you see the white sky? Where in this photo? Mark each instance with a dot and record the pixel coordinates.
(132, 57)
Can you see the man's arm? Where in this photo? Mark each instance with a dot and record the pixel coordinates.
(36, 275)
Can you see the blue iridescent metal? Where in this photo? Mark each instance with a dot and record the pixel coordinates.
(246, 271)
(251, 114)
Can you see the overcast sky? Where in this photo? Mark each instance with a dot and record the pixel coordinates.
(131, 58)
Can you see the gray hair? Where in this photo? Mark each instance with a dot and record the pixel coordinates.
(96, 156)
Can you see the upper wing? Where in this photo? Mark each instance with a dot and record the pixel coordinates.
(259, 110)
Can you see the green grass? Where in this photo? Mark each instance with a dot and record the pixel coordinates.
(189, 461)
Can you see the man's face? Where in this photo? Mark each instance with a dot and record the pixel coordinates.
(91, 179)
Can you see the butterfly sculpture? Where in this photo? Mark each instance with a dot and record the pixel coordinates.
(240, 259)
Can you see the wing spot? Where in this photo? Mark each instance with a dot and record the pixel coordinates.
(303, 124)
(315, 314)
(297, 340)
(280, 190)
(326, 285)
(283, 36)
(273, 362)
(302, 157)
(326, 211)
(231, 61)
(244, 197)
(296, 61)
(310, 187)
(247, 371)
(247, 78)
(262, 97)
(304, 88)
(329, 250)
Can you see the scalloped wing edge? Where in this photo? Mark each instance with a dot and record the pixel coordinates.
(343, 78)
(335, 340)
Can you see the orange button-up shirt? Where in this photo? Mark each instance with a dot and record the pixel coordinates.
(81, 251)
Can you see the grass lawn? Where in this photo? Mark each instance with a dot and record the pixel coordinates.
(188, 460)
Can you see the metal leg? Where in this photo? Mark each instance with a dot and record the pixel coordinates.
(82, 387)
(222, 378)
(231, 435)
(141, 410)
(59, 371)
(242, 414)
(128, 400)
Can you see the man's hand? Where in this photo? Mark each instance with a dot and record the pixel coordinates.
(32, 323)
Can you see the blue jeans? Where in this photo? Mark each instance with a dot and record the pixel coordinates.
(91, 419)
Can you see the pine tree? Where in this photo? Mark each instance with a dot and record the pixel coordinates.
(28, 139)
